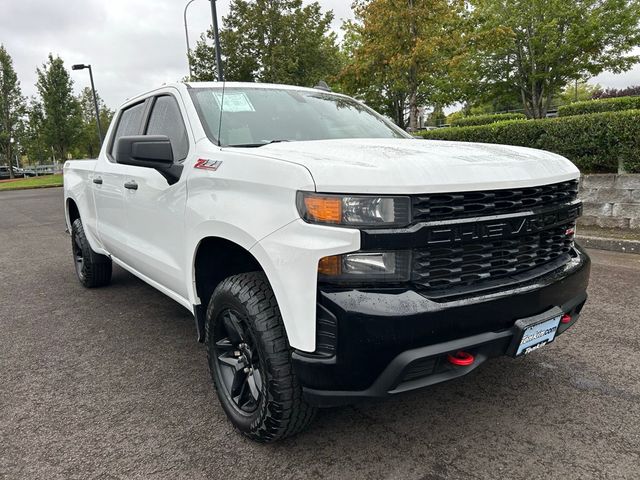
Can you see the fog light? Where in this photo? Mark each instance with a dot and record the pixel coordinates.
(566, 318)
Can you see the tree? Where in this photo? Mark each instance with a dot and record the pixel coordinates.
(437, 117)
(11, 107)
(275, 41)
(35, 145)
(538, 46)
(408, 49)
(88, 144)
(577, 91)
(62, 114)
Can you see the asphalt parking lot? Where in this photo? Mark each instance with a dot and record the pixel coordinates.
(110, 383)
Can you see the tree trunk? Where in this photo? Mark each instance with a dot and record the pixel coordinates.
(9, 155)
(413, 109)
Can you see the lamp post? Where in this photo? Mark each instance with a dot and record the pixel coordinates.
(81, 66)
(216, 38)
(186, 35)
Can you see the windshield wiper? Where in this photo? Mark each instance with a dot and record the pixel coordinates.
(256, 145)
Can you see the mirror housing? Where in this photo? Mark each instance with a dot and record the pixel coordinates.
(149, 151)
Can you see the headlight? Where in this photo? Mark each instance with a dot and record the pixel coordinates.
(354, 210)
(366, 267)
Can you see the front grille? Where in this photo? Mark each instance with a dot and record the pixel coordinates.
(449, 206)
(471, 265)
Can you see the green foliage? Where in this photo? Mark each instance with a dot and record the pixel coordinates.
(536, 47)
(34, 142)
(62, 113)
(584, 92)
(437, 117)
(604, 105)
(594, 142)
(406, 50)
(486, 119)
(87, 144)
(11, 108)
(272, 41)
(455, 116)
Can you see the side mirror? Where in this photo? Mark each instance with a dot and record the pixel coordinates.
(150, 151)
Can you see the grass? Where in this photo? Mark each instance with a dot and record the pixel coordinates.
(34, 182)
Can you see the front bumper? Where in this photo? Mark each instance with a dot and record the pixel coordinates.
(376, 343)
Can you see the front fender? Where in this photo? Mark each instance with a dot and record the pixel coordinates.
(290, 257)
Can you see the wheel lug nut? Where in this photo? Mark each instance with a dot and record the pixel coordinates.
(246, 369)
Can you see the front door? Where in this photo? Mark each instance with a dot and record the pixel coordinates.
(154, 209)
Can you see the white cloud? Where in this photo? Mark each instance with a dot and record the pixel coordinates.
(132, 46)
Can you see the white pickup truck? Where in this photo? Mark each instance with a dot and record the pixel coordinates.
(326, 255)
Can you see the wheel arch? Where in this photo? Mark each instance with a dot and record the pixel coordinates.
(72, 211)
(214, 259)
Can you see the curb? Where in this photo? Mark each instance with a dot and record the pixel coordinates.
(610, 244)
(33, 187)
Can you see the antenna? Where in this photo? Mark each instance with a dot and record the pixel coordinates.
(224, 83)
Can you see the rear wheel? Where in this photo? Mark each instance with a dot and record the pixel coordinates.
(250, 361)
(93, 269)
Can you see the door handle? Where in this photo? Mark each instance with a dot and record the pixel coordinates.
(97, 181)
(131, 185)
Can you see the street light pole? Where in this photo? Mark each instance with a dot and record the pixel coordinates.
(186, 36)
(216, 38)
(81, 66)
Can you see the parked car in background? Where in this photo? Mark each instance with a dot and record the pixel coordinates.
(4, 172)
(326, 255)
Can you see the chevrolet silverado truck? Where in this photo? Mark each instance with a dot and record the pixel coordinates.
(326, 255)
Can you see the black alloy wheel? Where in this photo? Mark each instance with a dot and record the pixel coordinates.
(239, 362)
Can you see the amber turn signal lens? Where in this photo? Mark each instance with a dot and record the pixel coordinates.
(324, 209)
(330, 265)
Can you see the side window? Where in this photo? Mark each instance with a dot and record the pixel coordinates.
(128, 124)
(166, 120)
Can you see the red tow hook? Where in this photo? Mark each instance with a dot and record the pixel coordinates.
(566, 318)
(460, 359)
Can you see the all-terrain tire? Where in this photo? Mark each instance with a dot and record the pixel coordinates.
(93, 269)
(247, 302)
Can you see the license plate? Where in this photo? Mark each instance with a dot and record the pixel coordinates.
(537, 336)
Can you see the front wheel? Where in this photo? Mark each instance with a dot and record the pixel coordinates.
(250, 360)
(93, 269)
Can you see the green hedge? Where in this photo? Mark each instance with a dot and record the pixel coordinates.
(593, 142)
(596, 106)
(486, 119)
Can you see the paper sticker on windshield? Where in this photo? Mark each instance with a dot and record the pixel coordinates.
(234, 102)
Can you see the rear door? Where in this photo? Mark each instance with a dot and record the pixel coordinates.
(155, 209)
(108, 183)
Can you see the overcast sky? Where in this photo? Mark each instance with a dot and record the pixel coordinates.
(132, 45)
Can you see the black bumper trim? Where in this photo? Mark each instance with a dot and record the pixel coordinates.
(483, 346)
(387, 339)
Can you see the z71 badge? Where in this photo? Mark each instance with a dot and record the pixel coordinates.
(206, 164)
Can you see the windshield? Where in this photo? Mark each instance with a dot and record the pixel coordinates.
(253, 117)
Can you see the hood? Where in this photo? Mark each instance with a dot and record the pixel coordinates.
(420, 166)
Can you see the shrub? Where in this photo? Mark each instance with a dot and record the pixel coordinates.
(486, 119)
(593, 142)
(603, 105)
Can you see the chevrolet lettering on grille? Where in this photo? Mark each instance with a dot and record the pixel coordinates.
(498, 228)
